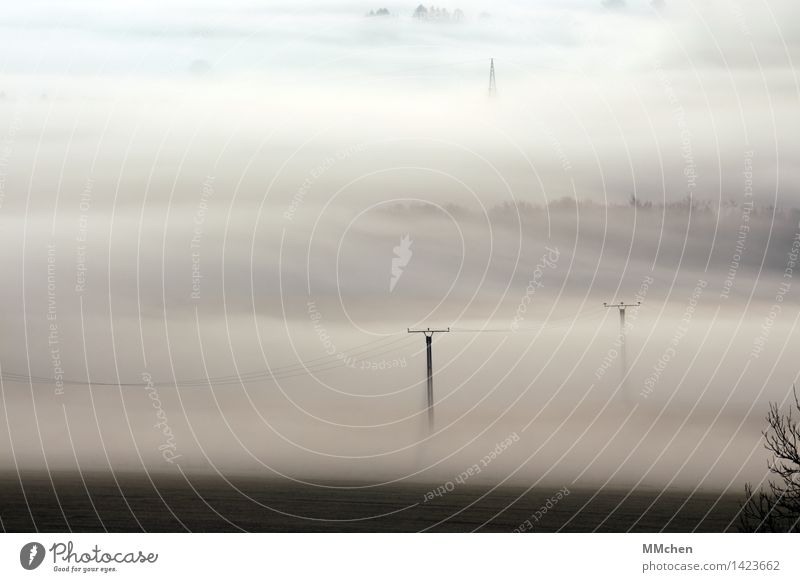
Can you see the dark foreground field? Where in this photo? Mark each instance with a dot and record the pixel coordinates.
(133, 503)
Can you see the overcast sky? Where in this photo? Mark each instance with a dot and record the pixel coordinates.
(206, 188)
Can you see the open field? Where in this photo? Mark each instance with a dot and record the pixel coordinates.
(133, 503)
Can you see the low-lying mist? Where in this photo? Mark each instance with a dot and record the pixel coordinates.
(289, 355)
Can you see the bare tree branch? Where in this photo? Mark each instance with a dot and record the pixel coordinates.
(778, 508)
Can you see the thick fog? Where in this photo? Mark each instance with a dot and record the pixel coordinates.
(219, 222)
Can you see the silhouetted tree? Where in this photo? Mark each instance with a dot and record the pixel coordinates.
(437, 14)
(777, 509)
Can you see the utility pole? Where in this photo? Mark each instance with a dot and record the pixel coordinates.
(492, 84)
(428, 345)
(622, 352)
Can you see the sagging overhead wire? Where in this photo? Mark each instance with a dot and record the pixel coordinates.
(549, 324)
(324, 363)
(312, 366)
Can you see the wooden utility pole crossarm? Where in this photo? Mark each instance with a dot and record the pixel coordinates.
(622, 306)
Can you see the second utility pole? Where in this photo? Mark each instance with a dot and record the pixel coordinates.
(623, 355)
(428, 345)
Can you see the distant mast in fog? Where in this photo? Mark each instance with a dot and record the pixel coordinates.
(492, 83)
